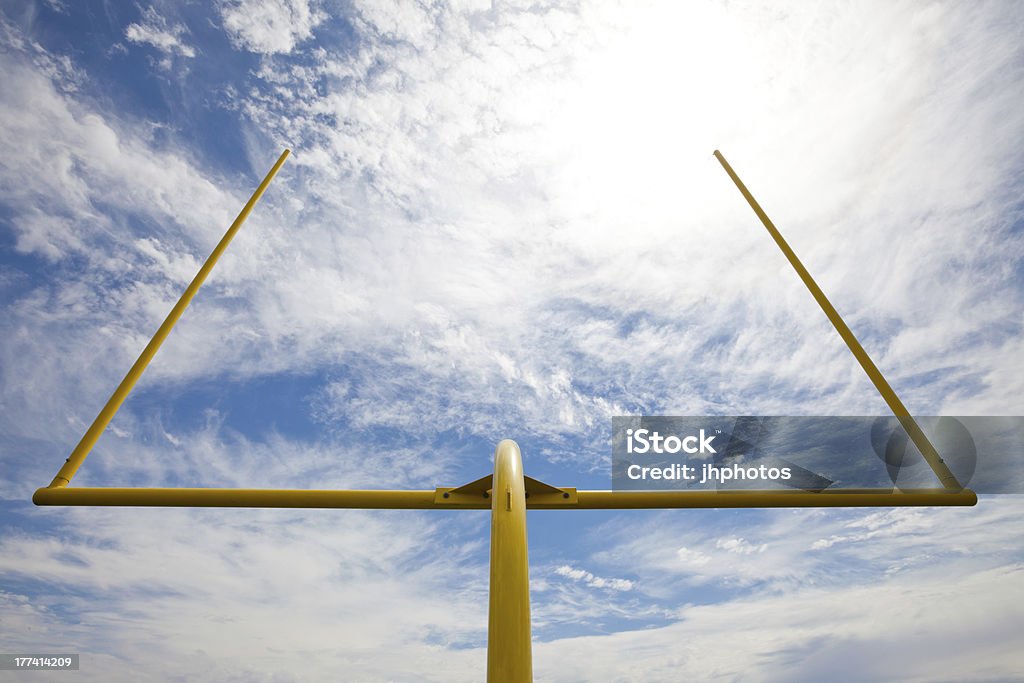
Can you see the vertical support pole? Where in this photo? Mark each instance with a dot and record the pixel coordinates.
(509, 650)
(908, 422)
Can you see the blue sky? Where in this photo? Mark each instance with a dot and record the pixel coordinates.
(499, 221)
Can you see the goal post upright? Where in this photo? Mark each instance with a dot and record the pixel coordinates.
(99, 425)
(924, 445)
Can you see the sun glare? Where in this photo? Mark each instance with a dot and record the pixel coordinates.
(646, 110)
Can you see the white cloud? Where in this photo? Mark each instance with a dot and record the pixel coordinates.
(589, 579)
(59, 6)
(270, 26)
(155, 30)
(915, 628)
(691, 557)
(245, 588)
(739, 546)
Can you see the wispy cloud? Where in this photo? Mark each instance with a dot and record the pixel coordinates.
(822, 633)
(592, 581)
(782, 612)
(156, 31)
(583, 254)
(229, 580)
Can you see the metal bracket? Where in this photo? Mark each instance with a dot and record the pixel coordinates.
(477, 494)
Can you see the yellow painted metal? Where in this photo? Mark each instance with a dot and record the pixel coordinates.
(478, 486)
(892, 400)
(535, 487)
(567, 498)
(256, 498)
(630, 500)
(509, 650)
(91, 436)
